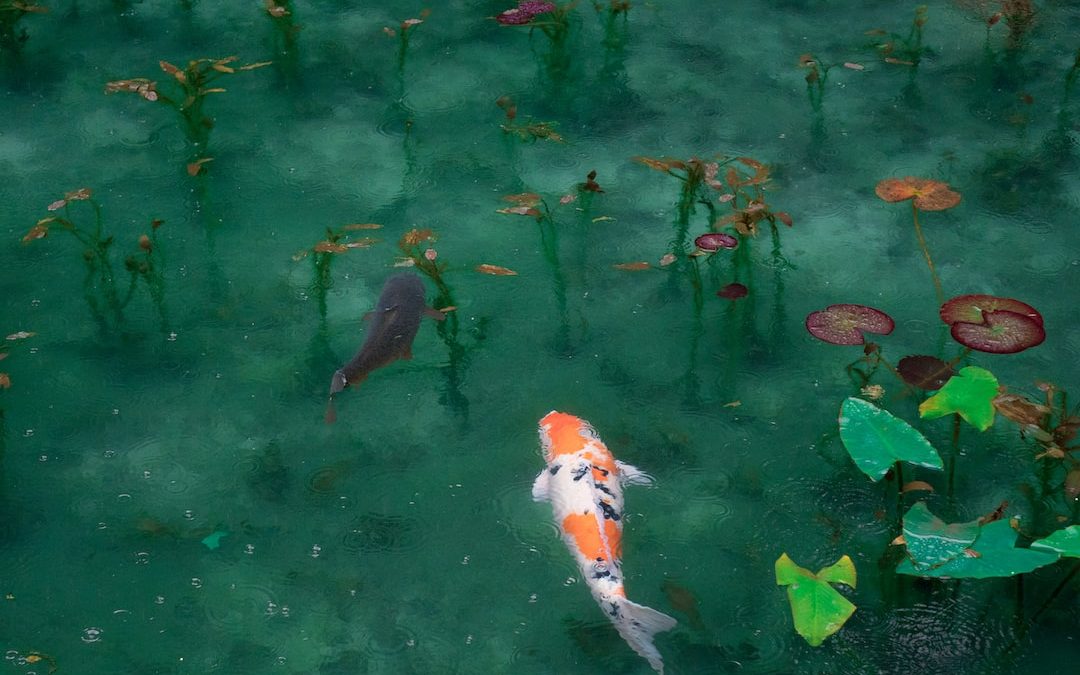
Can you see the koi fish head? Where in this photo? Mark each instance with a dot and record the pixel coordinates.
(564, 434)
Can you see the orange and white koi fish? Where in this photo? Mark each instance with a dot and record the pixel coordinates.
(584, 483)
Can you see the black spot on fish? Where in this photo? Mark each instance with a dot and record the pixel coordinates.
(614, 611)
(603, 488)
(602, 470)
(600, 574)
(555, 469)
(580, 472)
(609, 511)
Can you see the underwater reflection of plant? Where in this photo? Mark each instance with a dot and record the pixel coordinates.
(283, 16)
(100, 284)
(337, 241)
(189, 89)
(553, 21)
(925, 195)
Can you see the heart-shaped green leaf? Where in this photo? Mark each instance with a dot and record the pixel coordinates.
(970, 393)
(931, 542)
(1066, 542)
(994, 554)
(875, 438)
(817, 608)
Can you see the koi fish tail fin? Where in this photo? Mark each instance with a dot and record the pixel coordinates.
(638, 624)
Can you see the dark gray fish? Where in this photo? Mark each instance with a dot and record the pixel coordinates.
(392, 328)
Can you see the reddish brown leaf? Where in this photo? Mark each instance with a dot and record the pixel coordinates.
(524, 198)
(5, 381)
(929, 195)
(917, 485)
(36, 232)
(632, 266)
(330, 247)
(485, 268)
(519, 211)
(21, 335)
(360, 226)
(785, 218)
(366, 242)
(1020, 410)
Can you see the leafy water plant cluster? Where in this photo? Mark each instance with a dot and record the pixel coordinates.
(103, 287)
(186, 92)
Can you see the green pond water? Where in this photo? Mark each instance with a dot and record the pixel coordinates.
(403, 538)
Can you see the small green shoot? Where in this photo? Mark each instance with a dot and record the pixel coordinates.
(817, 608)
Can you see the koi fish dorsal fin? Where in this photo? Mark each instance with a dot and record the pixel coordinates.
(631, 475)
(638, 624)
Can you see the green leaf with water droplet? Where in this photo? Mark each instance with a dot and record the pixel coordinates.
(817, 608)
(994, 554)
(931, 542)
(875, 439)
(970, 393)
(1066, 542)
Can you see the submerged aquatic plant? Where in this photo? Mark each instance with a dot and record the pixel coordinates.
(817, 73)
(925, 195)
(404, 31)
(528, 130)
(283, 16)
(338, 240)
(905, 50)
(552, 19)
(187, 96)
(100, 286)
(5, 378)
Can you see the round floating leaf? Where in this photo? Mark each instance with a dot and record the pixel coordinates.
(875, 439)
(925, 372)
(972, 308)
(929, 195)
(714, 241)
(1065, 542)
(845, 324)
(970, 393)
(1002, 332)
(994, 554)
(817, 608)
(733, 291)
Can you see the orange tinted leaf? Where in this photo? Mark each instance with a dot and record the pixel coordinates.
(222, 68)
(360, 226)
(447, 309)
(667, 259)
(664, 164)
(524, 198)
(38, 231)
(854, 66)
(632, 266)
(484, 268)
(5, 381)
(212, 90)
(78, 195)
(785, 218)
(752, 163)
(899, 62)
(253, 66)
(917, 485)
(168, 67)
(195, 168)
(929, 195)
(330, 247)
(21, 335)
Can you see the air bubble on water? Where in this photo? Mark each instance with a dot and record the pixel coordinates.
(465, 560)
(159, 600)
(146, 473)
(109, 454)
(570, 581)
(271, 608)
(281, 660)
(142, 558)
(123, 497)
(28, 433)
(532, 597)
(189, 514)
(11, 655)
(285, 611)
(316, 550)
(43, 458)
(249, 549)
(91, 635)
(116, 411)
(196, 582)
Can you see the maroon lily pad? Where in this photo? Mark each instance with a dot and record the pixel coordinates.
(714, 241)
(733, 291)
(1001, 332)
(925, 372)
(971, 308)
(845, 324)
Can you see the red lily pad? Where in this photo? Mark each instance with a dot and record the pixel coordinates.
(925, 372)
(733, 291)
(972, 308)
(845, 324)
(1001, 332)
(714, 241)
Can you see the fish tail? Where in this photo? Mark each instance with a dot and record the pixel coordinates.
(638, 624)
(331, 411)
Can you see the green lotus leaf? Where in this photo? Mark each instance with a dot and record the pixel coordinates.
(875, 439)
(817, 608)
(1066, 542)
(970, 393)
(931, 542)
(994, 554)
